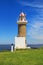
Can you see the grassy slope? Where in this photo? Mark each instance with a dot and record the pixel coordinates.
(22, 57)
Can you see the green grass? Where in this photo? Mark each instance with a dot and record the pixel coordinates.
(22, 57)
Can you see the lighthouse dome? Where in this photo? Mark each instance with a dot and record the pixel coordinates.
(22, 14)
(22, 18)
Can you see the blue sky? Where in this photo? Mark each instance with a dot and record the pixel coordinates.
(9, 14)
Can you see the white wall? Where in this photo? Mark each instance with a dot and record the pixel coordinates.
(20, 42)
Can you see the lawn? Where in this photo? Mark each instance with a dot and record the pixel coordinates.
(22, 57)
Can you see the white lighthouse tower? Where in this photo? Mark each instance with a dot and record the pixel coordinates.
(20, 40)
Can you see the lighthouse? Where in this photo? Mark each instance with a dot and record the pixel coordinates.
(20, 40)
